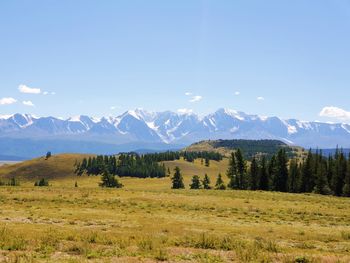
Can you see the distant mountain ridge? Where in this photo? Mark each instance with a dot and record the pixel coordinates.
(168, 129)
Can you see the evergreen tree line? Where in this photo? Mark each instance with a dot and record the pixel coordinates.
(315, 173)
(132, 165)
(188, 156)
(135, 165)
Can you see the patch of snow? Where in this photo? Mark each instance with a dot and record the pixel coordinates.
(152, 126)
(292, 129)
(346, 127)
(234, 113)
(5, 117)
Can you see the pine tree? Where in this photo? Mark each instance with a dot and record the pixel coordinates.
(306, 174)
(272, 171)
(254, 174)
(346, 188)
(207, 162)
(220, 185)
(340, 170)
(321, 183)
(232, 172)
(177, 179)
(196, 183)
(281, 178)
(263, 175)
(241, 170)
(330, 169)
(206, 182)
(293, 180)
(109, 180)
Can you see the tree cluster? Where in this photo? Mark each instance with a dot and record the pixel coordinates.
(315, 173)
(188, 156)
(11, 182)
(252, 148)
(42, 182)
(132, 165)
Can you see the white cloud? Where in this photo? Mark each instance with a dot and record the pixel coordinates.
(335, 112)
(28, 103)
(185, 111)
(237, 93)
(196, 98)
(188, 93)
(113, 108)
(49, 93)
(7, 101)
(260, 98)
(25, 89)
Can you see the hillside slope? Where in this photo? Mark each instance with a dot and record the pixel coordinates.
(58, 166)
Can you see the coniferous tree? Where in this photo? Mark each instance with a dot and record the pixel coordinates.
(346, 187)
(219, 185)
(206, 182)
(340, 170)
(306, 175)
(272, 171)
(232, 172)
(330, 169)
(321, 182)
(241, 170)
(196, 183)
(281, 178)
(293, 180)
(109, 180)
(254, 174)
(263, 175)
(207, 162)
(177, 179)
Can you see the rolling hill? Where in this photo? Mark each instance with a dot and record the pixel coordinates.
(249, 148)
(56, 167)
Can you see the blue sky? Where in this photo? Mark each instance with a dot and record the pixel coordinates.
(284, 58)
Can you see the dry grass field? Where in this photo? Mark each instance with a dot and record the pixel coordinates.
(146, 221)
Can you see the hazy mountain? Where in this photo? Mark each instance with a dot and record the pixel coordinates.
(142, 129)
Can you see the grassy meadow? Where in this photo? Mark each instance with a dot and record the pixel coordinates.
(146, 221)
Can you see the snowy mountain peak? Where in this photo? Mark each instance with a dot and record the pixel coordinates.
(182, 127)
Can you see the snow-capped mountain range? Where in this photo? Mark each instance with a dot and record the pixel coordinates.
(170, 128)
